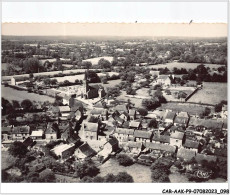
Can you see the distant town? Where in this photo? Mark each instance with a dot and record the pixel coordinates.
(86, 109)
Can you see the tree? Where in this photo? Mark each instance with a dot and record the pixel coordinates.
(142, 111)
(7, 107)
(93, 77)
(104, 80)
(153, 123)
(103, 64)
(124, 177)
(18, 149)
(86, 168)
(124, 160)
(16, 104)
(110, 178)
(47, 176)
(53, 81)
(27, 104)
(151, 104)
(113, 91)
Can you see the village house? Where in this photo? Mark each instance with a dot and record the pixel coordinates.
(121, 108)
(162, 149)
(191, 145)
(133, 147)
(20, 132)
(124, 135)
(164, 139)
(100, 113)
(132, 114)
(176, 138)
(64, 151)
(142, 136)
(6, 133)
(164, 80)
(125, 116)
(182, 119)
(38, 134)
(169, 117)
(135, 125)
(90, 131)
(51, 131)
(64, 111)
(84, 151)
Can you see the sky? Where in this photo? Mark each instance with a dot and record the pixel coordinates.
(128, 12)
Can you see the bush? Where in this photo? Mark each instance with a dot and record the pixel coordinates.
(124, 177)
(124, 160)
(18, 149)
(86, 168)
(142, 111)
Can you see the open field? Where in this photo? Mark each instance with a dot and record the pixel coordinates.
(140, 173)
(136, 101)
(186, 65)
(80, 77)
(185, 107)
(95, 61)
(7, 78)
(211, 93)
(13, 94)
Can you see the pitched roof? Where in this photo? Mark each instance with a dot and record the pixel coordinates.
(124, 131)
(185, 153)
(61, 148)
(6, 129)
(87, 150)
(36, 133)
(28, 141)
(177, 135)
(91, 127)
(183, 114)
(142, 134)
(132, 144)
(159, 146)
(199, 157)
(64, 108)
(21, 129)
(163, 77)
(113, 141)
(181, 120)
(135, 124)
(98, 105)
(161, 138)
(97, 111)
(50, 128)
(122, 108)
(170, 115)
(191, 144)
(132, 112)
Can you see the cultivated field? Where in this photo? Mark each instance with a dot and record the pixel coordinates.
(95, 61)
(211, 93)
(13, 94)
(186, 65)
(4, 66)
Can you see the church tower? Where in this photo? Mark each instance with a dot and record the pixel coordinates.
(85, 85)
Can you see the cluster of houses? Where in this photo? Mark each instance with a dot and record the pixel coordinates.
(177, 134)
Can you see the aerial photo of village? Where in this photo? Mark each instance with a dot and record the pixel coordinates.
(113, 109)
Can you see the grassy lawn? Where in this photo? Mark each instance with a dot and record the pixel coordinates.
(140, 173)
(211, 93)
(184, 107)
(13, 94)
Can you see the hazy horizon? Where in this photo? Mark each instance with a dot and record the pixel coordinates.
(182, 30)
